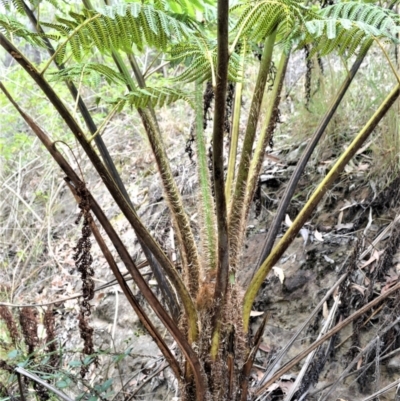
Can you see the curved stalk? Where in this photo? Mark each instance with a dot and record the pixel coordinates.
(221, 284)
(235, 130)
(243, 169)
(295, 177)
(309, 207)
(124, 205)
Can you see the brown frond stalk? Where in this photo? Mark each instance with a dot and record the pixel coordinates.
(218, 171)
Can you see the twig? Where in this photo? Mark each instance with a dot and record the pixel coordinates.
(383, 390)
(60, 300)
(37, 379)
(24, 202)
(115, 315)
(163, 366)
(21, 387)
(310, 357)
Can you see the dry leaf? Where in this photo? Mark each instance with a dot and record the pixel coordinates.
(374, 256)
(318, 236)
(255, 313)
(288, 222)
(264, 347)
(347, 226)
(273, 158)
(304, 234)
(358, 288)
(363, 167)
(340, 217)
(279, 273)
(325, 310)
(364, 148)
(348, 204)
(390, 282)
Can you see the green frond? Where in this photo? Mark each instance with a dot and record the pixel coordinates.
(258, 20)
(119, 27)
(60, 50)
(20, 7)
(17, 4)
(92, 72)
(10, 27)
(200, 56)
(57, 27)
(154, 96)
(349, 26)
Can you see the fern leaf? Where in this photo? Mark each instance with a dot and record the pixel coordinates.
(155, 96)
(90, 71)
(119, 27)
(11, 27)
(348, 27)
(258, 20)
